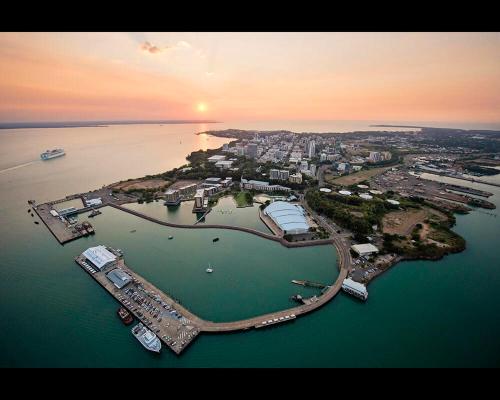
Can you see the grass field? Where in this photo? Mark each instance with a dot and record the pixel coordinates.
(357, 177)
(243, 199)
(138, 184)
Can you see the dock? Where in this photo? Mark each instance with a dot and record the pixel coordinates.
(59, 227)
(309, 284)
(175, 326)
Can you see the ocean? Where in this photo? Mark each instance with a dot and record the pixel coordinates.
(421, 313)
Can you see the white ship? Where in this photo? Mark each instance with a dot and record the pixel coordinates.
(147, 338)
(52, 154)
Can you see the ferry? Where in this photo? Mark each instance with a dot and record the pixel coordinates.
(125, 316)
(47, 155)
(147, 338)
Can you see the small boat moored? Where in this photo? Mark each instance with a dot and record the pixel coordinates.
(125, 316)
(215, 239)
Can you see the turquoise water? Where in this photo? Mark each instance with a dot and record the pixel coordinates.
(224, 212)
(443, 313)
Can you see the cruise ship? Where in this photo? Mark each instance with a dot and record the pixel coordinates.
(147, 338)
(52, 154)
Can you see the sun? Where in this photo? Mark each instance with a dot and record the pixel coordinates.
(201, 107)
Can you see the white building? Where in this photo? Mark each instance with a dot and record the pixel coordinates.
(216, 158)
(224, 164)
(312, 168)
(172, 197)
(295, 178)
(99, 256)
(374, 157)
(365, 249)
(290, 218)
(274, 174)
(262, 186)
(199, 198)
(355, 288)
(93, 202)
(188, 190)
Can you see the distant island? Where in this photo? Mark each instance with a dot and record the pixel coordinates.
(97, 124)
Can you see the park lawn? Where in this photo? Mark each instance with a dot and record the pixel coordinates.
(242, 200)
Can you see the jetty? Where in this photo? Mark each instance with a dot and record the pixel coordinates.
(177, 326)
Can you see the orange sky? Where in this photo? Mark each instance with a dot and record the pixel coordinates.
(451, 77)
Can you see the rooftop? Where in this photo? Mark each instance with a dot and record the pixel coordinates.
(100, 256)
(289, 217)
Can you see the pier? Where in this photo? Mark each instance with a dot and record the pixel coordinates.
(179, 330)
(176, 333)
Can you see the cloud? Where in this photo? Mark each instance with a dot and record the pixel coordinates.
(146, 46)
(150, 48)
(183, 45)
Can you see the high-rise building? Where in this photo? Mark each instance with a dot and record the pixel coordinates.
(311, 150)
(322, 157)
(303, 165)
(251, 150)
(374, 157)
(284, 174)
(199, 197)
(312, 168)
(172, 197)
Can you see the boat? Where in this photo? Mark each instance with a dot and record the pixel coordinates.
(36, 222)
(133, 230)
(147, 338)
(88, 227)
(47, 155)
(170, 237)
(209, 269)
(94, 212)
(297, 298)
(125, 316)
(215, 239)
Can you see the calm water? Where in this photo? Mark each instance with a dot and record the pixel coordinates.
(442, 313)
(224, 212)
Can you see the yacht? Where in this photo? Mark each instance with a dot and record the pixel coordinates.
(209, 269)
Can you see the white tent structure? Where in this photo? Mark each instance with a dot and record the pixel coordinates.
(99, 256)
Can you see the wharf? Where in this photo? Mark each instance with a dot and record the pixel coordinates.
(61, 230)
(175, 333)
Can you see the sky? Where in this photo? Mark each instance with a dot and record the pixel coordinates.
(249, 76)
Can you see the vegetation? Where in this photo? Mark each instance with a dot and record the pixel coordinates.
(243, 198)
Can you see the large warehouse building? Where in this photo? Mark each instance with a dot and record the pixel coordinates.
(290, 218)
(99, 256)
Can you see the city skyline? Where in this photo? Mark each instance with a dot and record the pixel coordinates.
(449, 77)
